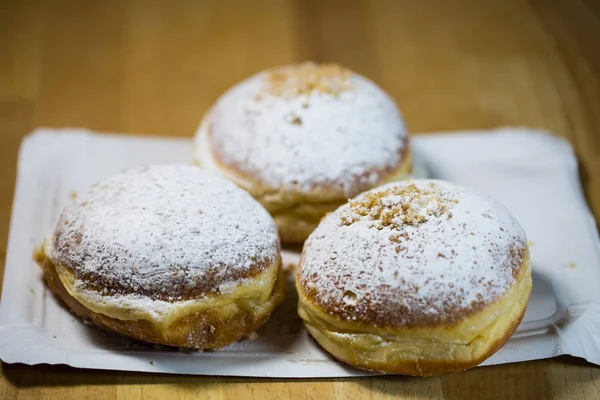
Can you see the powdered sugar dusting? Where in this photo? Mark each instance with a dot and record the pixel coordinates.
(341, 131)
(412, 253)
(164, 232)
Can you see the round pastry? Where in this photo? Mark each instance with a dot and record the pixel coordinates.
(419, 278)
(167, 254)
(302, 139)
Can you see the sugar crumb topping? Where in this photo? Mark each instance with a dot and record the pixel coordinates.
(400, 205)
(305, 78)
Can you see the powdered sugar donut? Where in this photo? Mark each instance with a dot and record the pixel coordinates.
(302, 139)
(167, 254)
(419, 277)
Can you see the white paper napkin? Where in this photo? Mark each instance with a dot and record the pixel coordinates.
(533, 173)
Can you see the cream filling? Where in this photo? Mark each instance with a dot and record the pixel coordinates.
(251, 294)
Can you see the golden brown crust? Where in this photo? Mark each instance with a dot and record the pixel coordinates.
(101, 283)
(205, 329)
(413, 253)
(298, 213)
(426, 350)
(151, 231)
(111, 286)
(392, 316)
(424, 367)
(267, 135)
(323, 191)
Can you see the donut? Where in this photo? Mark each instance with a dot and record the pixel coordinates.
(419, 277)
(169, 254)
(302, 139)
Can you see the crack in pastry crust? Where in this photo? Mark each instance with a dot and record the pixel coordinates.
(211, 322)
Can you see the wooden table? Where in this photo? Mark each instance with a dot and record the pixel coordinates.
(153, 67)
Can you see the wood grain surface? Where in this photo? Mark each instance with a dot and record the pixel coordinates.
(153, 67)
